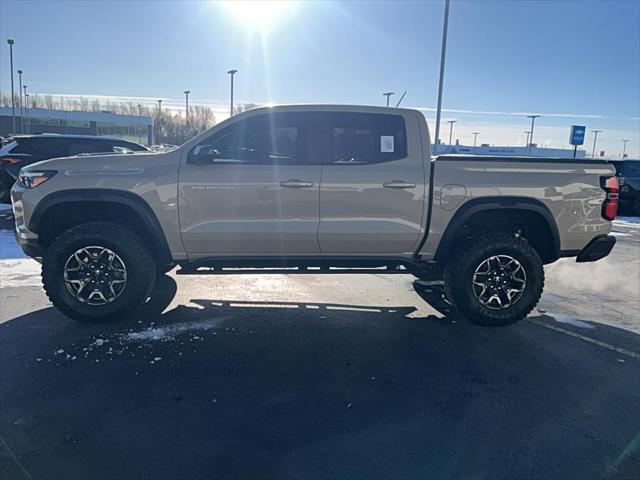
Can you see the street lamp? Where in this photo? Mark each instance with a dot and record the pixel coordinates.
(451, 122)
(232, 73)
(530, 141)
(624, 148)
(13, 100)
(186, 109)
(139, 119)
(21, 105)
(475, 136)
(388, 94)
(26, 108)
(595, 138)
(441, 81)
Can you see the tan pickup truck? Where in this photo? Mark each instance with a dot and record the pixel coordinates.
(318, 189)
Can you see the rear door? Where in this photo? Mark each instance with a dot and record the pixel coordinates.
(252, 188)
(373, 184)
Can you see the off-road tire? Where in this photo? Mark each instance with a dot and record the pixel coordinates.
(460, 270)
(140, 266)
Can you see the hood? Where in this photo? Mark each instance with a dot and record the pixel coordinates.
(97, 162)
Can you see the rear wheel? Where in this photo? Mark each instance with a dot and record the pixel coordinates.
(98, 272)
(496, 280)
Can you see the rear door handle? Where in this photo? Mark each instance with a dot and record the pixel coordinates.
(399, 184)
(295, 183)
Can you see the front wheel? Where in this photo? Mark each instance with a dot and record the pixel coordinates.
(98, 271)
(496, 280)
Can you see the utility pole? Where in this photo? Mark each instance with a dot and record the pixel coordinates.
(527, 142)
(388, 94)
(475, 136)
(595, 139)
(530, 142)
(21, 103)
(440, 83)
(451, 122)
(13, 99)
(624, 148)
(232, 73)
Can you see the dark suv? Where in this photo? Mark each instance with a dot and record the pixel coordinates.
(24, 150)
(628, 173)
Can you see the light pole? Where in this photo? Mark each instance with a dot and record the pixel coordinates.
(139, 119)
(475, 136)
(595, 139)
(26, 108)
(451, 122)
(231, 73)
(21, 104)
(624, 148)
(159, 121)
(13, 100)
(530, 142)
(440, 84)
(388, 94)
(186, 110)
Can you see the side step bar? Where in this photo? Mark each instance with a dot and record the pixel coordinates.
(306, 265)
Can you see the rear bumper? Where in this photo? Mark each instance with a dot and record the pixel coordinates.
(597, 248)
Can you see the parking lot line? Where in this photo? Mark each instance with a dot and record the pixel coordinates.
(571, 333)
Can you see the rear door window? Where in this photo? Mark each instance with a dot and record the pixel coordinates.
(363, 138)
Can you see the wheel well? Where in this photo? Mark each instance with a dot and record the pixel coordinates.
(531, 224)
(62, 216)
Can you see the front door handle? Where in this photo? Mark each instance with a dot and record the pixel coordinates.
(399, 184)
(295, 183)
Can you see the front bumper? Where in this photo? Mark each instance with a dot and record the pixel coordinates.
(27, 239)
(597, 248)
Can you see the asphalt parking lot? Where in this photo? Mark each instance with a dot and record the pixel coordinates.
(336, 377)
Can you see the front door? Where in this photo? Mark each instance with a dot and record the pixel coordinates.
(372, 191)
(252, 188)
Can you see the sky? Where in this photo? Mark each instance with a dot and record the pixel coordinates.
(573, 62)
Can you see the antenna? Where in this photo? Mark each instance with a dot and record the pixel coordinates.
(401, 98)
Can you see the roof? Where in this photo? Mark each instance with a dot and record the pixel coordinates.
(65, 135)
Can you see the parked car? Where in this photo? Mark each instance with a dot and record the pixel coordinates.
(24, 150)
(628, 172)
(312, 188)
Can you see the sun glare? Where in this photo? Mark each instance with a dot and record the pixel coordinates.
(257, 14)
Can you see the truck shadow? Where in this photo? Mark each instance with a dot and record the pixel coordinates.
(236, 389)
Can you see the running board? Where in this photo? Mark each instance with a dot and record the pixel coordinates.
(306, 265)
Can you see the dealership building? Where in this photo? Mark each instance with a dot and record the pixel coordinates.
(39, 120)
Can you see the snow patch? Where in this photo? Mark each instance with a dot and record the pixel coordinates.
(169, 332)
(19, 273)
(620, 234)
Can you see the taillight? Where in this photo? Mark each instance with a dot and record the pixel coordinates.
(5, 161)
(610, 206)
